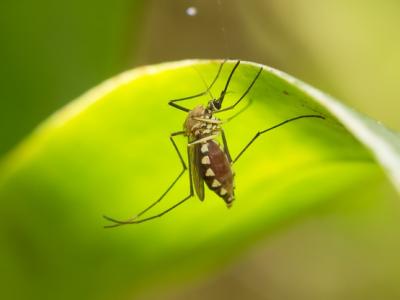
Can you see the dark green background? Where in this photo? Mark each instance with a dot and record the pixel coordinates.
(53, 51)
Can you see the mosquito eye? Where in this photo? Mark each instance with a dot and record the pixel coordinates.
(217, 104)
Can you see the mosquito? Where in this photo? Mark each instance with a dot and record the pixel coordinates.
(207, 161)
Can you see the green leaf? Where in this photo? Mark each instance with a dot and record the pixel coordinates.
(108, 152)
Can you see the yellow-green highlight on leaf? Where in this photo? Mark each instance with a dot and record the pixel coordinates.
(108, 152)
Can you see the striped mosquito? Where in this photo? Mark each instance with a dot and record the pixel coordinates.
(207, 161)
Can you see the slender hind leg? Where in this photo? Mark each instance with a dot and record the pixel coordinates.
(273, 127)
(133, 219)
(180, 107)
(226, 150)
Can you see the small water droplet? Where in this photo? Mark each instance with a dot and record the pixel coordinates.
(191, 11)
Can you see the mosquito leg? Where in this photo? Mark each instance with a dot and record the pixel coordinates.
(273, 127)
(152, 217)
(134, 221)
(202, 140)
(209, 121)
(184, 168)
(223, 93)
(180, 107)
(244, 94)
(226, 146)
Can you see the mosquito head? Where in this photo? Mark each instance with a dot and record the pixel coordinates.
(214, 104)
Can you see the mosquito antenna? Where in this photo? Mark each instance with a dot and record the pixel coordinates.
(180, 107)
(208, 87)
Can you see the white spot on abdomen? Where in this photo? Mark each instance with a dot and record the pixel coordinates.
(215, 183)
(205, 160)
(210, 172)
(223, 191)
(204, 148)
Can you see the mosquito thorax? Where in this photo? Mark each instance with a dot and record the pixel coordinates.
(191, 124)
(196, 128)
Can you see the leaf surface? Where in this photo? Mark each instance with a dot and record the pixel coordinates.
(108, 152)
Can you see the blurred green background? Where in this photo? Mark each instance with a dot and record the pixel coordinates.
(54, 51)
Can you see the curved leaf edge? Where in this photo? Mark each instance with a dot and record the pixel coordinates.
(383, 143)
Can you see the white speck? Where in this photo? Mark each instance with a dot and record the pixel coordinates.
(191, 11)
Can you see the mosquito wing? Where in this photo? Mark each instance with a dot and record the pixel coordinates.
(198, 182)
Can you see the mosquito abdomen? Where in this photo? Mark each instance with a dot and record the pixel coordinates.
(216, 171)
